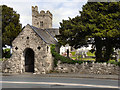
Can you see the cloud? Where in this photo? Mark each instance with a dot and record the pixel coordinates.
(43, 0)
(61, 9)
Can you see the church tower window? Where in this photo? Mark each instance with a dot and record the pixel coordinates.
(41, 24)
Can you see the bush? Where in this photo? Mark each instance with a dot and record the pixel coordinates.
(6, 53)
(114, 62)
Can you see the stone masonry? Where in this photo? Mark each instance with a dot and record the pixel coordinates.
(31, 48)
(88, 68)
(43, 58)
(41, 20)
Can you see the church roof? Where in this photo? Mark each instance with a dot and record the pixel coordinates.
(45, 35)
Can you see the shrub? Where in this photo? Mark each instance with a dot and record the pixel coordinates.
(114, 62)
(6, 53)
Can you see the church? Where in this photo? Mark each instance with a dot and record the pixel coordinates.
(31, 48)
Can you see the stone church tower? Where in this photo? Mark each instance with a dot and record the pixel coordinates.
(41, 20)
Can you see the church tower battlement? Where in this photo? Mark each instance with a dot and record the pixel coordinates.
(41, 19)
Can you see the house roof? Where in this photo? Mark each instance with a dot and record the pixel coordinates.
(44, 35)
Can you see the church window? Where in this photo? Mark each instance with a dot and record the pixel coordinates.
(47, 48)
(27, 37)
(39, 48)
(16, 48)
(41, 23)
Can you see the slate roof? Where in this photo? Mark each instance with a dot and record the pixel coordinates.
(44, 35)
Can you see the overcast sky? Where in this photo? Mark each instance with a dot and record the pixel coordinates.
(61, 9)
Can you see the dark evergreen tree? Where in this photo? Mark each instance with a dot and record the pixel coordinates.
(98, 24)
(11, 26)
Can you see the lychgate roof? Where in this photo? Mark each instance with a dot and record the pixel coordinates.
(44, 35)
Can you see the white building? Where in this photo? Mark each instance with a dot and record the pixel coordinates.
(63, 49)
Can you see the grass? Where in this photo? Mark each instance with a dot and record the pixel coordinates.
(73, 58)
(84, 59)
(1, 59)
(90, 54)
(73, 53)
(88, 59)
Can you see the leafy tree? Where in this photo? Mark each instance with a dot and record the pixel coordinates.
(97, 24)
(10, 25)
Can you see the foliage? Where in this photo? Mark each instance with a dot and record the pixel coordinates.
(98, 24)
(10, 25)
(114, 62)
(58, 57)
(6, 53)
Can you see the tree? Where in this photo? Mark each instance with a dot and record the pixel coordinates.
(98, 24)
(11, 26)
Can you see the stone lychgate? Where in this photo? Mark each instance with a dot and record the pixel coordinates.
(31, 48)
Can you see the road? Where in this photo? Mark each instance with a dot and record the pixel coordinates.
(36, 81)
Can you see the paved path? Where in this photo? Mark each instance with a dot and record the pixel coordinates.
(52, 81)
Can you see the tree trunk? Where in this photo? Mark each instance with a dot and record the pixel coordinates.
(98, 53)
(68, 53)
(108, 49)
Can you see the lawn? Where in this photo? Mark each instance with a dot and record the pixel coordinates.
(87, 59)
(1, 59)
(90, 54)
(73, 53)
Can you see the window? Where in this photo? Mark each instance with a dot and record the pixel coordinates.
(27, 37)
(47, 48)
(41, 24)
(16, 48)
(39, 48)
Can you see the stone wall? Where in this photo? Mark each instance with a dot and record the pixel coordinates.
(41, 19)
(88, 68)
(43, 61)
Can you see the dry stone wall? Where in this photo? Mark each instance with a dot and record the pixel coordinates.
(88, 68)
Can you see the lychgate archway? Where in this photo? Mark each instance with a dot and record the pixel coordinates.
(29, 60)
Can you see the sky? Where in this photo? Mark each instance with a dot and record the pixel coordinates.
(61, 9)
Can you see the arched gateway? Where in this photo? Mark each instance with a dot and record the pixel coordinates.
(29, 60)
